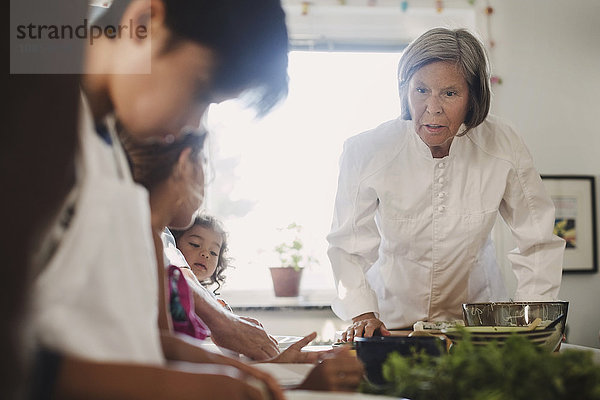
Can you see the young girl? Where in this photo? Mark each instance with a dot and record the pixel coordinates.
(204, 246)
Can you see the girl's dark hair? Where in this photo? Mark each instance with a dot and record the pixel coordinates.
(224, 260)
(152, 163)
(249, 38)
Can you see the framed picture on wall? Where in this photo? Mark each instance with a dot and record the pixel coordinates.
(575, 220)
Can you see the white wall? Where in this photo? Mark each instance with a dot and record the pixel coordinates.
(548, 56)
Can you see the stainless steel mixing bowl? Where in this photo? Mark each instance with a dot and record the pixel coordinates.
(520, 313)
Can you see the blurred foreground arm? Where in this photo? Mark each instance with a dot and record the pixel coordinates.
(79, 379)
(182, 347)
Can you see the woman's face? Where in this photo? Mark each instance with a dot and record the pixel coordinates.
(438, 98)
(201, 247)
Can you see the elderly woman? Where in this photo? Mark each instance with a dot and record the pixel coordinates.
(418, 197)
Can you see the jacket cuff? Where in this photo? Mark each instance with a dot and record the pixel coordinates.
(355, 303)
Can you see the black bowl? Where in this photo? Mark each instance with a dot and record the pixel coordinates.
(373, 351)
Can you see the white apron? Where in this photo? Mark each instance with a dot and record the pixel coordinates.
(98, 296)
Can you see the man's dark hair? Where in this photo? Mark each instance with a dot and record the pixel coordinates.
(249, 38)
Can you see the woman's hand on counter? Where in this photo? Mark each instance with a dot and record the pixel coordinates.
(244, 337)
(364, 325)
(257, 323)
(228, 330)
(252, 321)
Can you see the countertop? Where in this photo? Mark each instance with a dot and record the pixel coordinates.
(266, 301)
(595, 352)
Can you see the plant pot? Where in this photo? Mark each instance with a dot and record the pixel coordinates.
(286, 281)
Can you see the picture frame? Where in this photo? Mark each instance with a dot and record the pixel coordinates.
(574, 199)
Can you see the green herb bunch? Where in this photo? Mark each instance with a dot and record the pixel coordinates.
(519, 370)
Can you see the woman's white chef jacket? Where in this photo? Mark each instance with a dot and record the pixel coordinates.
(97, 298)
(410, 237)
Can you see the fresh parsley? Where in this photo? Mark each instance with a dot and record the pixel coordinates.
(518, 370)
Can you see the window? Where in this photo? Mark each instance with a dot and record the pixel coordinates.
(283, 168)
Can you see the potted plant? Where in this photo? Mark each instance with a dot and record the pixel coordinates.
(287, 277)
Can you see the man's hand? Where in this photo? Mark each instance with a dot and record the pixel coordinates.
(364, 325)
(340, 371)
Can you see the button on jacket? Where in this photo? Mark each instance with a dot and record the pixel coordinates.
(410, 237)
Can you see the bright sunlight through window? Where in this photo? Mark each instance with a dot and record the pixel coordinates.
(283, 168)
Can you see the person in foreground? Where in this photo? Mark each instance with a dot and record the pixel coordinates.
(173, 175)
(94, 305)
(418, 196)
